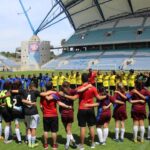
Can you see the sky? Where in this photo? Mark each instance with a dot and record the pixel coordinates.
(14, 28)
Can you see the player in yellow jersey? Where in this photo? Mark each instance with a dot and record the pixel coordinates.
(131, 79)
(61, 79)
(99, 79)
(54, 80)
(124, 78)
(72, 80)
(106, 81)
(78, 79)
(112, 82)
(67, 77)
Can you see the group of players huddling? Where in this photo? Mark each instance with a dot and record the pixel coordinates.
(18, 101)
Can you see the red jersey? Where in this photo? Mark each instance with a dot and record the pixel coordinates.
(49, 107)
(87, 97)
(66, 112)
(120, 107)
(92, 77)
(139, 107)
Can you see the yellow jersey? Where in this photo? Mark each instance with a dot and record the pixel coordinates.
(61, 79)
(112, 80)
(131, 80)
(78, 80)
(55, 80)
(106, 81)
(72, 79)
(99, 78)
(124, 80)
(67, 79)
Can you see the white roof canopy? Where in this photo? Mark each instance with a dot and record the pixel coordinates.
(82, 13)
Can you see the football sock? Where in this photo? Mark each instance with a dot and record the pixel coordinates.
(72, 138)
(29, 138)
(142, 132)
(105, 133)
(117, 133)
(122, 133)
(0, 129)
(100, 135)
(18, 134)
(148, 132)
(135, 132)
(33, 138)
(68, 139)
(7, 132)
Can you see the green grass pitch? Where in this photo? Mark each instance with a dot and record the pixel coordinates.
(111, 145)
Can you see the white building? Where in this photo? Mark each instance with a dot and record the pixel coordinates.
(34, 53)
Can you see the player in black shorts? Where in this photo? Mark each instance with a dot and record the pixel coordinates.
(31, 113)
(6, 110)
(17, 107)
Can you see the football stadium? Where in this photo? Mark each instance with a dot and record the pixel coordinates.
(95, 94)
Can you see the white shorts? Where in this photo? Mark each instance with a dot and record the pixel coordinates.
(32, 121)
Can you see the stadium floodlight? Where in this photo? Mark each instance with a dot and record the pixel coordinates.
(55, 15)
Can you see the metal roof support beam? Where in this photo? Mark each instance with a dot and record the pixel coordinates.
(73, 3)
(99, 9)
(131, 7)
(67, 13)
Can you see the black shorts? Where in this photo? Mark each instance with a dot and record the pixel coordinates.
(17, 114)
(99, 86)
(6, 114)
(72, 86)
(112, 88)
(50, 124)
(86, 117)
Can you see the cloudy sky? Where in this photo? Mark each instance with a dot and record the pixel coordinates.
(14, 28)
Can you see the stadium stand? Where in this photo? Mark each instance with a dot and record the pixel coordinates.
(119, 31)
(10, 64)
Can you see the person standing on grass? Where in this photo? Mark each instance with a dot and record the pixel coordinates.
(72, 80)
(31, 113)
(54, 80)
(6, 110)
(103, 116)
(78, 79)
(17, 107)
(112, 82)
(67, 96)
(86, 115)
(92, 77)
(119, 112)
(138, 112)
(148, 132)
(61, 79)
(48, 106)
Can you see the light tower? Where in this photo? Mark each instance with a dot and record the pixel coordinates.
(34, 52)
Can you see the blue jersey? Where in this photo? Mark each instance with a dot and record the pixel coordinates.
(47, 79)
(28, 82)
(42, 81)
(2, 81)
(23, 81)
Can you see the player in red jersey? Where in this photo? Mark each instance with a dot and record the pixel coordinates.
(50, 116)
(119, 112)
(138, 112)
(86, 115)
(92, 77)
(103, 116)
(148, 133)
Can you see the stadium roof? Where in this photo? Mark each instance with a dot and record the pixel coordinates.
(83, 13)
